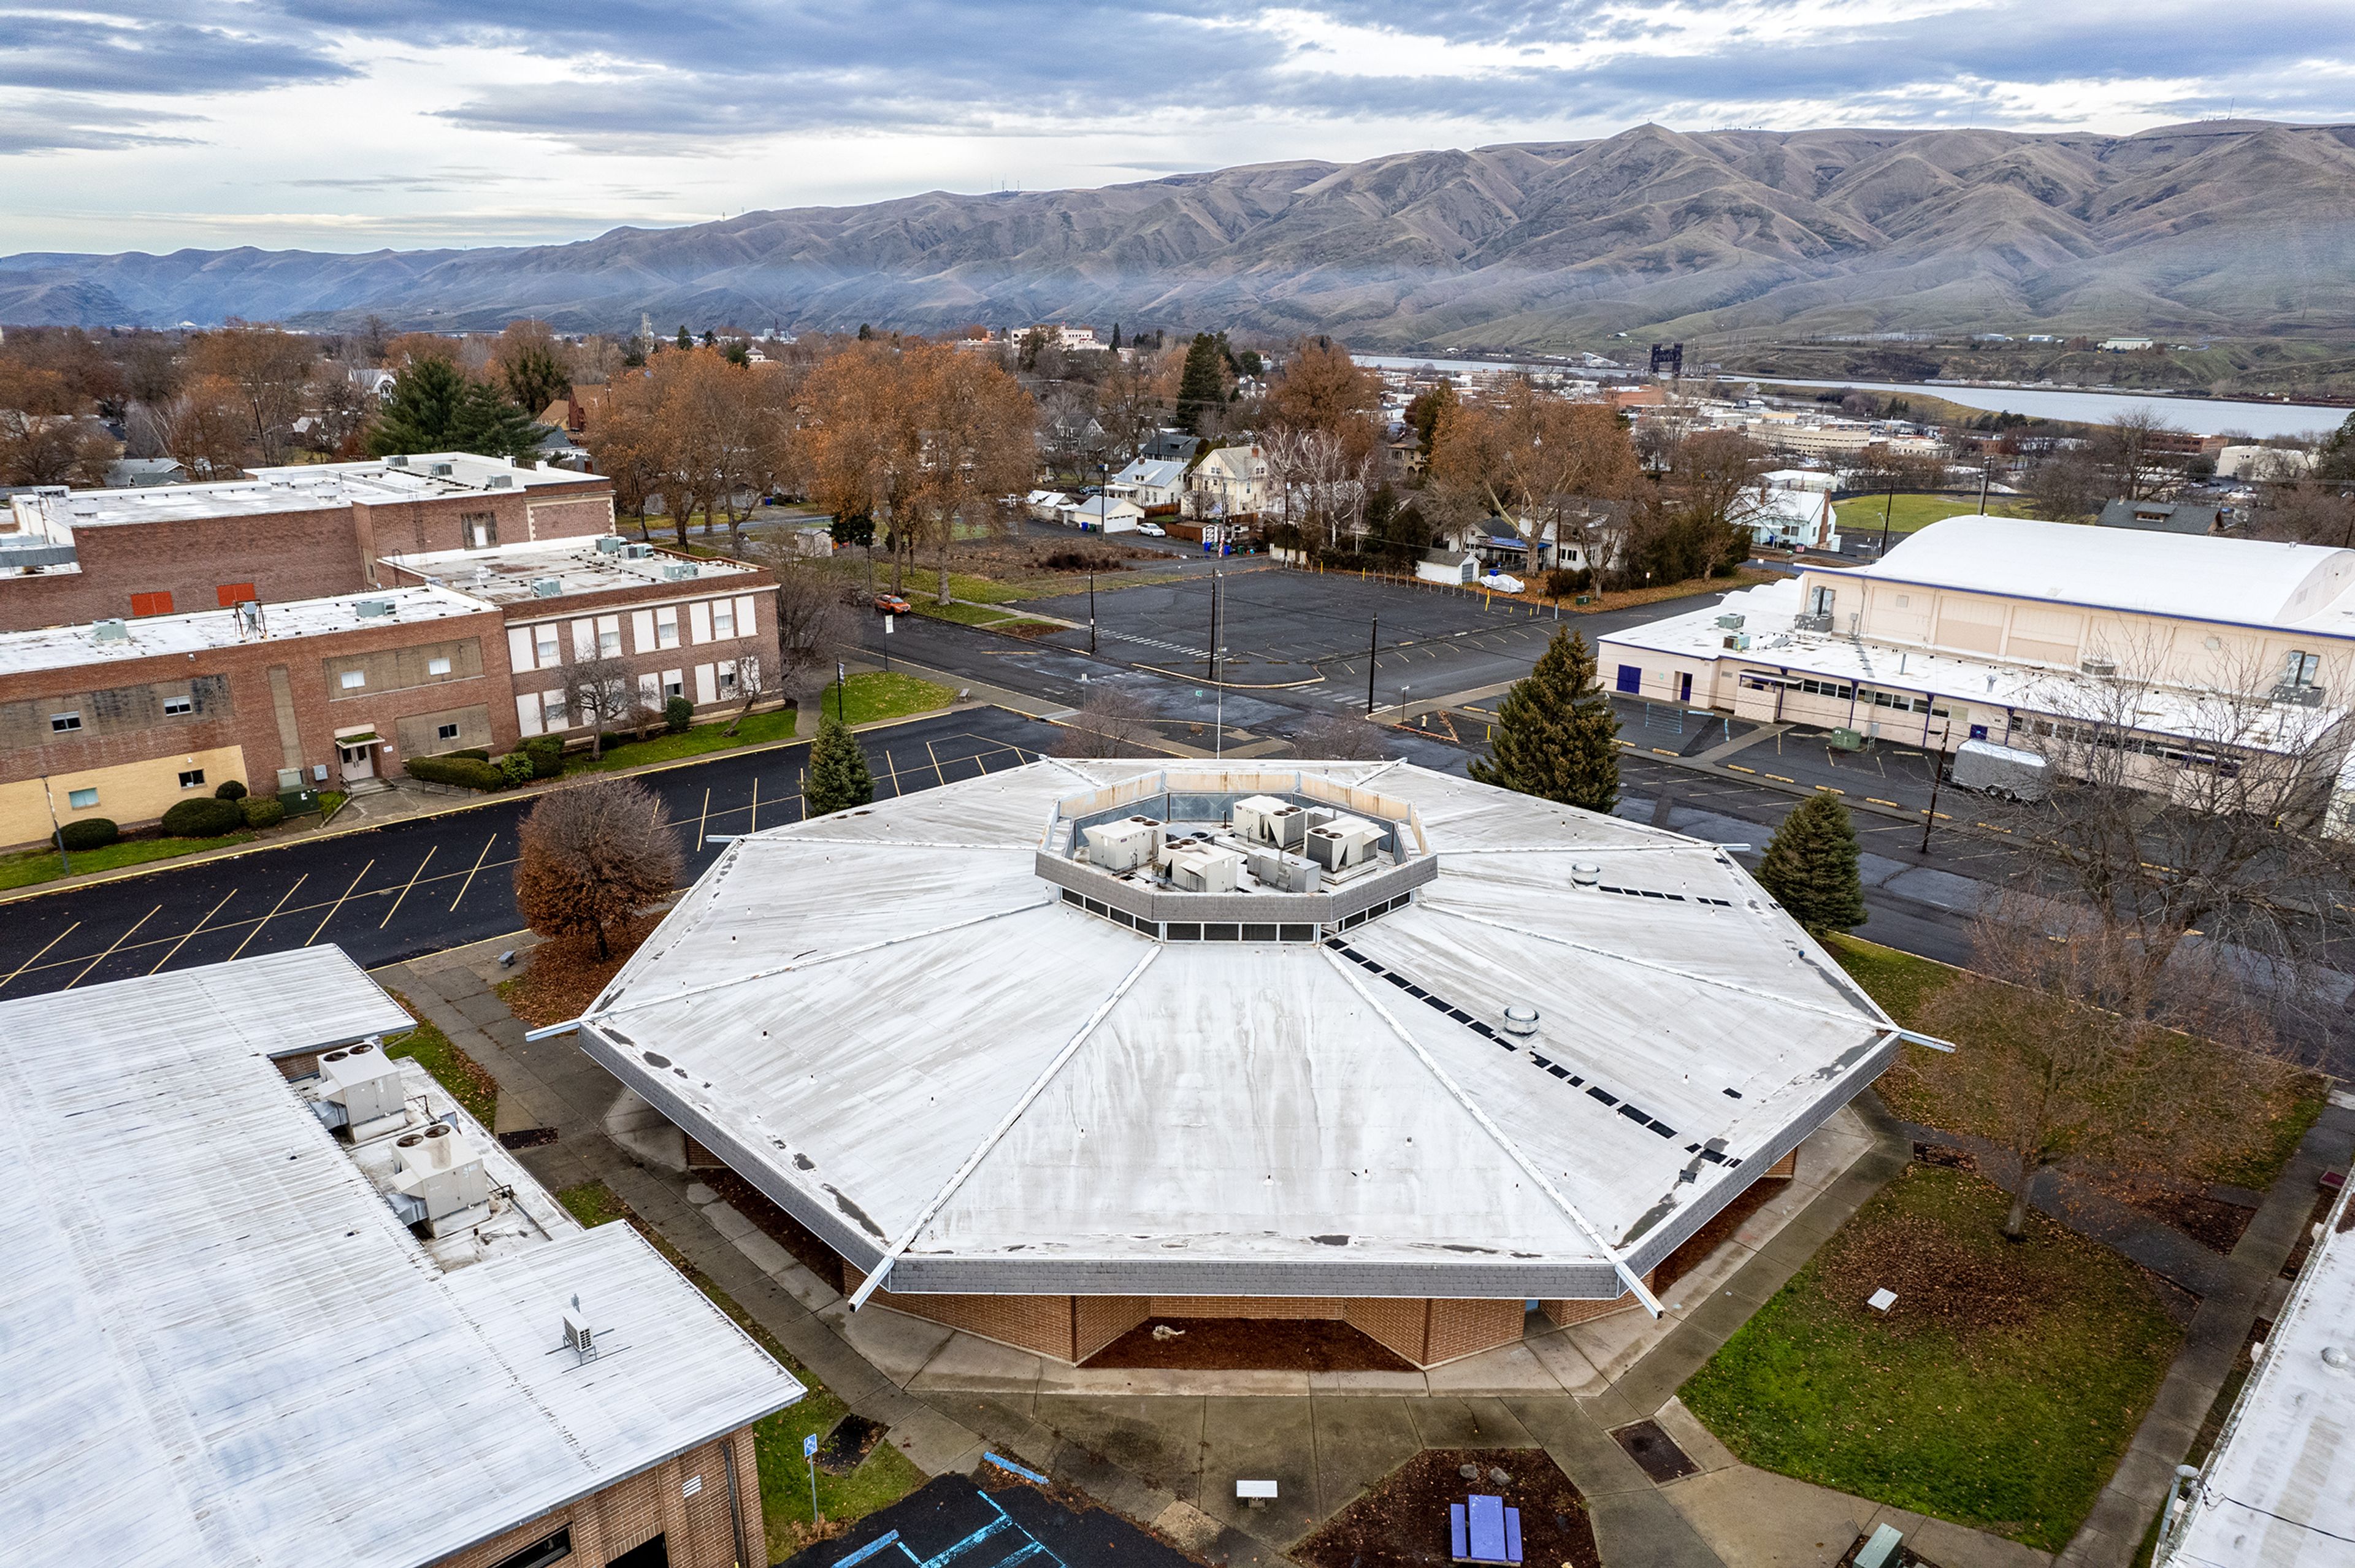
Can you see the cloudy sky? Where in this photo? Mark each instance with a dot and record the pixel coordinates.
(341, 125)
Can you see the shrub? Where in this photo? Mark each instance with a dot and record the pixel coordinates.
(677, 714)
(204, 818)
(261, 811)
(475, 752)
(546, 754)
(465, 771)
(89, 832)
(232, 790)
(1562, 581)
(518, 768)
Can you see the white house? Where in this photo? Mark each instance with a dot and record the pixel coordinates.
(1455, 567)
(1230, 482)
(1793, 518)
(1150, 483)
(1102, 514)
(1046, 505)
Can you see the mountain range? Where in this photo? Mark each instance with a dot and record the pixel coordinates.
(2216, 227)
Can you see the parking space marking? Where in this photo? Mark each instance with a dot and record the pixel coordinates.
(266, 919)
(339, 902)
(191, 931)
(404, 891)
(470, 875)
(110, 946)
(701, 818)
(36, 959)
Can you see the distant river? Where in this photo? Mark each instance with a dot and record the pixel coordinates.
(2202, 416)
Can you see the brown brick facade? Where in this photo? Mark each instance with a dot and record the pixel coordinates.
(699, 1530)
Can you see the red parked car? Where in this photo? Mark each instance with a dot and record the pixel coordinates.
(891, 605)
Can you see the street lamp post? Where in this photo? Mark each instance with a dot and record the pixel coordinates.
(1091, 609)
(1937, 774)
(1374, 646)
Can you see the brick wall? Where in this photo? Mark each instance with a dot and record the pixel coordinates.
(695, 661)
(698, 1531)
(1568, 1312)
(1098, 1320)
(274, 689)
(1039, 1323)
(1398, 1325)
(1465, 1328)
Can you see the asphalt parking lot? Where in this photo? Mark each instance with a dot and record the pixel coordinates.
(391, 893)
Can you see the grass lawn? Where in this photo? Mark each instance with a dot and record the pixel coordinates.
(880, 694)
(2001, 1389)
(883, 1477)
(1862, 513)
(2248, 1122)
(757, 729)
(24, 870)
(467, 1080)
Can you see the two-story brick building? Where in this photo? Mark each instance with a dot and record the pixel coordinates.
(302, 532)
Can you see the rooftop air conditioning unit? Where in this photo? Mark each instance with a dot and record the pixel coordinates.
(501, 481)
(1811, 622)
(438, 1177)
(1121, 846)
(372, 609)
(637, 552)
(439, 470)
(1285, 873)
(2299, 695)
(547, 587)
(358, 1088)
(110, 632)
(608, 544)
(1263, 819)
(2098, 666)
(1729, 623)
(1344, 842)
(1738, 641)
(678, 570)
(396, 461)
(1206, 871)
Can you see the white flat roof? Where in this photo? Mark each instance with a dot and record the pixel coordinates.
(298, 487)
(65, 647)
(1769, 609)
(852, 1011)
(220, 1346)
(505, 574)
(2198, 576)
(2280, 1490)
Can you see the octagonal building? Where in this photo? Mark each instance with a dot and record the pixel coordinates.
(1048, 1052)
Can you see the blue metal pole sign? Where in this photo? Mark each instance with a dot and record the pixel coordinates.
(809, 1461)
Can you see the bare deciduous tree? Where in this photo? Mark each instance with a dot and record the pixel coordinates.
(592, 855)
(598, 690)
(1110, 723)
(1340, 738)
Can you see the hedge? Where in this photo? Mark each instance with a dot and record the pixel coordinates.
(678, 715)
(464, 771)
(546, 754)
(204, 818)
(476, 752)
(89, 832)
(232, 790)
(516, 768)
(261, 811)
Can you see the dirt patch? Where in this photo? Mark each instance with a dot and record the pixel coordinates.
(846, 1447)
(561, 977)
(2213, 1225)
(1250, 1344)
(1403, 1522)
(1941, 1279)
(776, 1224)
(1028, 630)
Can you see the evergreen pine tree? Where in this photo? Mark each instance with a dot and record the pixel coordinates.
(839, 778)
(1557, 733)
(1810, 866)
(1115, 337)
(1201, 387)
(433, 408)
(684, 340)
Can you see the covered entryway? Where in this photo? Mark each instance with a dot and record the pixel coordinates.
(356, 754)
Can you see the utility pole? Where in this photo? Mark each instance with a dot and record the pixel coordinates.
(1211, 653)
(1373, 645)
(1986, 462)
(65, 855)
(1091, 609)
(1937, 774)
(1219, 711)
(1889, 512)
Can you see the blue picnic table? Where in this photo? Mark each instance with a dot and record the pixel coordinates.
(1484, 1530)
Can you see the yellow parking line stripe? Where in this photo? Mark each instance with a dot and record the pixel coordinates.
(413, 882)
(191, 931)
(111, 946)
(36, 959)
(273, 914)
(339, 902)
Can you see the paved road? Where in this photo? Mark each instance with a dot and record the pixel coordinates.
(418, 886)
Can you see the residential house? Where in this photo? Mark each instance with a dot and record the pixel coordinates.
(1171, 446)
(1150, 483)
(1230, 482)
(2163, 516)
(125, 472)
(1102, 514)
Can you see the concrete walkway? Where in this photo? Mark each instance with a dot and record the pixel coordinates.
(2113, 1532)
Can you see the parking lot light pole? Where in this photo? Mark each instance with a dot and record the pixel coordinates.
(1373, 644)
(1937, 774)
(1091, 609)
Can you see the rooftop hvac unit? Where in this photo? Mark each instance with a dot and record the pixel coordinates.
(2299, 696)
(439, 470)
(396, 461)
(2098, 666)
(372, 609)
(1344, 842)
(608, 544)
(631, 551)
(1263, 819)
(547, 587)
(1121, 846)
(1207, 870)
(678, 570)
(439, 1174)
(579, 1337)
(1729, 623)
(1811, 622)
(1738, 641)
(110, 631)
(501, 481)
(357, 1088)
(1285, 874)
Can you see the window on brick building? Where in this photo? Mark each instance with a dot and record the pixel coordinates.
(544, 646)
(446, 732)
(82, 799)
(353, 679)
(175, 706)
(150, 603)
(666, 627)
(674, 688)
(64, 723)
(482, 529)
(437, 666)
(236, 593)
(192, 778)
(551, 1549)
(723, 618)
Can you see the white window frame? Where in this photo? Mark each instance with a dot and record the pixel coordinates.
(186, 705)
(609, 636)
(192, 778)
(437, 666)
(352, 679)
(667, 627)
(75, 802)
(723, 619)
(547, 647)
(64, 723)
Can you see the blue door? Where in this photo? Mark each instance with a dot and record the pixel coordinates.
(1630, 677)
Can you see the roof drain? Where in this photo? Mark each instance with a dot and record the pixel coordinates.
(1520, 1019)
(1584, 873)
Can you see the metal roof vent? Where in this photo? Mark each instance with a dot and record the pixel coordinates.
(579, 1337)
(110, 632)
(1520, 1019)
(547, 587)
(439, 470)
(1584, 873)
(397, 459)
(500, 481)
(372, 609)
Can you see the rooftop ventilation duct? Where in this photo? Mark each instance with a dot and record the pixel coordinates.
(1520, 1019)
(547, 587)
(439, 470)
(501, 481)
(1585, 874)
(397, 459)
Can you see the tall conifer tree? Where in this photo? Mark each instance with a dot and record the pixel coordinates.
(1557, 734)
